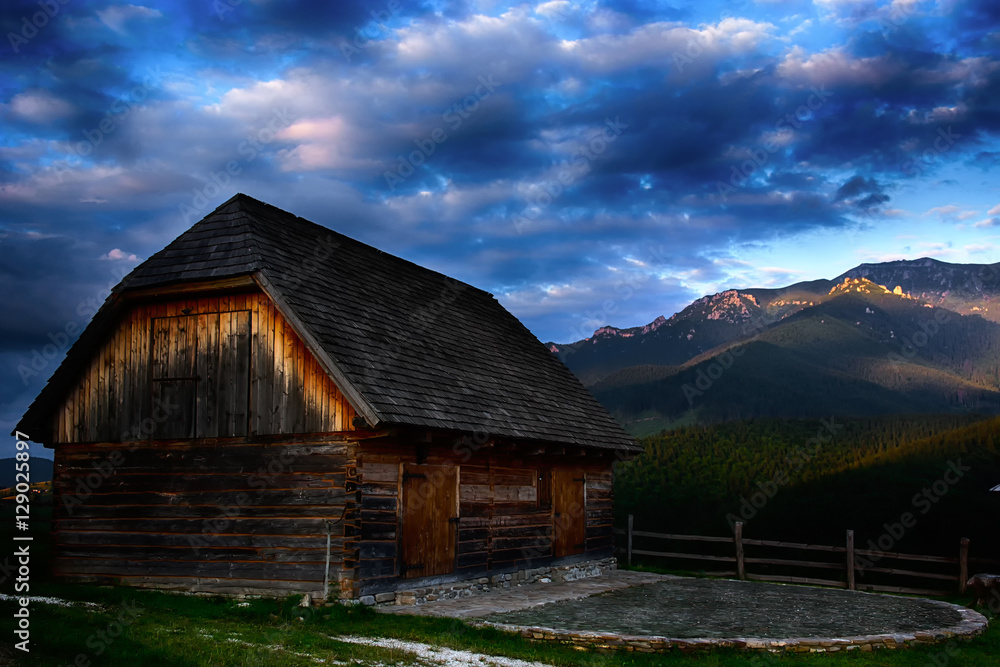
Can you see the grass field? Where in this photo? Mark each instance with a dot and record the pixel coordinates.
(132, 627)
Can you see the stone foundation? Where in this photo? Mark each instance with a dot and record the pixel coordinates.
(461, 589)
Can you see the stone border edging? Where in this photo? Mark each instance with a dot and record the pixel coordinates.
(971, 624)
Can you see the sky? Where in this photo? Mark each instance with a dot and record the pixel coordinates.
(588, 162)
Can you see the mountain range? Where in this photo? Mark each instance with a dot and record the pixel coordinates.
(901, 337)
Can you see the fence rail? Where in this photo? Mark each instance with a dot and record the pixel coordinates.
(851, 564)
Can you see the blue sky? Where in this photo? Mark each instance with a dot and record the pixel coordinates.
(588, 162)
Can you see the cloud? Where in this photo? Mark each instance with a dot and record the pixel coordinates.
(40, 106)
(117, 17)
(116, 254)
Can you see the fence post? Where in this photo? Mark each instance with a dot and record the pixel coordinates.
(850, 560)
(963, 564)
(628, 548)
(741, 571)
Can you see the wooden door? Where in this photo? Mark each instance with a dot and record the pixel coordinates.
(429, 517)
(569, 509)
(201, 375)
(175, 350)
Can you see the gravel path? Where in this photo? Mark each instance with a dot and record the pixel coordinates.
(436, 655)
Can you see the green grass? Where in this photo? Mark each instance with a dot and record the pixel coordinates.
(173, 629)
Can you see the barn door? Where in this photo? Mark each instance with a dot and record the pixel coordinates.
(175, 351)
(201, 375)
(429, 517)
(568, 506)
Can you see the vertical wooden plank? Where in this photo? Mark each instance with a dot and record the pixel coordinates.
(241, 370)
(79, 411)
(98, 427)
(280, 399)
(256, 363)
(114, 391)
(224, 406)
(139, 371)
(144, 369)
(61, 433)
(201, 370)
(122, 380)
(343, 414)
(323, 384)
(741, 571)
(299, 388)
(206, 410)
(265, 403)
(850, 560)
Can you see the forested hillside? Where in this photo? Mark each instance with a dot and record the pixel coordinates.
(821, 477)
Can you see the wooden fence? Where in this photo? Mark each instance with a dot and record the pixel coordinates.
(851, 561)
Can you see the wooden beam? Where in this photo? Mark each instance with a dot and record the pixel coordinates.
(207, 286)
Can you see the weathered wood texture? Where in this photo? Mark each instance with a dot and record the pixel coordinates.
(568, 505)
(229, 518)
(428, 520)
(502, 524)
(202, 368)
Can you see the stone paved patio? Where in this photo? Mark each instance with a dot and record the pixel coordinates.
(529, 595)
(648, 612)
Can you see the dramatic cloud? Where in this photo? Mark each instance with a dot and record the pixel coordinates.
(589, 163)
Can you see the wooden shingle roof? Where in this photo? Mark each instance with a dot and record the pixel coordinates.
(407, 345)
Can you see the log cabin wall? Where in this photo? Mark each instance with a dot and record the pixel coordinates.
(502, 525)
(222, 516)
(202, 367)
(176, 461)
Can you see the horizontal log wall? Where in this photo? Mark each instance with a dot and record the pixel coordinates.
(287, 390)
(501, 527)
(229, 518)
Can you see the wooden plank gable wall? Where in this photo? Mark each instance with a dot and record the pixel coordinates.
(219, 494)
(233, 364)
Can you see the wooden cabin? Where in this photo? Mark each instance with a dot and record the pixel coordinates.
(266, 406)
